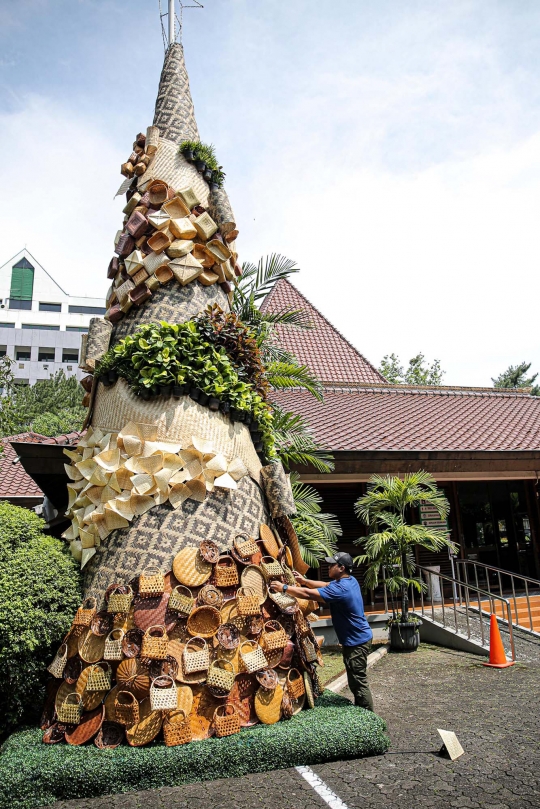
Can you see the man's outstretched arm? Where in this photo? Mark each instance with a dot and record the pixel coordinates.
(297, 592)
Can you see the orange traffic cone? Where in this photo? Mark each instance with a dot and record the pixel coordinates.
(497, 657)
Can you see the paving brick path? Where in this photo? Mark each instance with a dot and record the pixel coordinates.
(496, 715)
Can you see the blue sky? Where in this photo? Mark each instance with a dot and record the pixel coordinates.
(391, 148)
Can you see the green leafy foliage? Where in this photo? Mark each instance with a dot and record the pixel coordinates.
(418, 371)
(39, 592)
(317, 532)
(50, 407)
(295, 443)
(515, 376)
(166, 354)
(392, 540)
(206, 152)
(33, 774)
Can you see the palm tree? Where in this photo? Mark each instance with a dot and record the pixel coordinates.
(317, 532)
(390, 545)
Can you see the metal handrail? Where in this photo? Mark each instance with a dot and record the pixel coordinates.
(462, 565)
(465, 602)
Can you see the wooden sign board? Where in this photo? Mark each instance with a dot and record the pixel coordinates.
(451, 746)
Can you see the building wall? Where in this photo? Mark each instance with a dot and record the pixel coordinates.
(36, 329)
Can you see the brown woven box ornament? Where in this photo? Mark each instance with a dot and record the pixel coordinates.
(277, 487)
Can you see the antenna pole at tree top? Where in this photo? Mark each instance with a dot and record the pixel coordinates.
(172, 36)
(174, 33)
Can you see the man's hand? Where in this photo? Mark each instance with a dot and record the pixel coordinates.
(276, 586)
(301, 580)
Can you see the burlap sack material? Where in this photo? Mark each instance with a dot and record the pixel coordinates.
(277, 487)
(174, 113)
(178, 420)
(158, 535)
(170, 165)
(173, 304)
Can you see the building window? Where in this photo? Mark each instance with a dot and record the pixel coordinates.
(40, 326)
(22, 284)
(87, 310)
(77, 328)
(46, 355)
(70, 355)
(15, 303)
(22, 353)
(3, 351)
(23, 382)
(50, 307)
(7, 325)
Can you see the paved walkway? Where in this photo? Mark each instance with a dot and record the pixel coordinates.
(495, 713)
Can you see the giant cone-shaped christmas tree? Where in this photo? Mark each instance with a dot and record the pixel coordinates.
(179, 508)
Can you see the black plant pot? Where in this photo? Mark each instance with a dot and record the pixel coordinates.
(207, 174)
(214, 403)
(194, 394)
(200, 165)
(247, 418)
(165, 390)
(105, 380)
(404, 637)
(146, 394)
(256, 436)
(113, 377)
(179, 390)
(258, 446)
(225, 407)
(203, 398)
(253, 427)
(188, 154)
(236, 415)
(214, 187)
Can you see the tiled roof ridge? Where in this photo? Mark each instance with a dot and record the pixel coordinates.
(456, 390)
(283, 281)
(37, 438)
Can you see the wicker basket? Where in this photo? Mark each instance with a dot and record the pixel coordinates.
(274, 636)
(301, 625)
(226, 572)
(245, 546)
(267, 679)
(287, 604)
(99, 677)
(155, 642)
(113, 645)
(271, 568)
(209, 551)
(226, 721)
(197, 660)
(269, 540)
(247, 601)
(56, 668)
(151, 583)
(228, 636)
(126, 708)
(204, 622)
(163, 695)
(118, 601)
(210, 596)
(295, 684)
(309, 649)
(70, 711)
(177, 732)
(253, 659)
(181, 600)
(220, 678)
(85, 613)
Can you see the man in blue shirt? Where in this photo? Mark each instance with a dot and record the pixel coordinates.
(344, 598)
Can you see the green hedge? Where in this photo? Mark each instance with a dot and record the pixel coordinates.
(39, 593)
(33, 774)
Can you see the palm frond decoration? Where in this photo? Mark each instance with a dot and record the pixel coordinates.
(258, 279)
(295, 443)
(281, 375)
(317, 531)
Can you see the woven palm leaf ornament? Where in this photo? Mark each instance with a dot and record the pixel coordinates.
(166, 495)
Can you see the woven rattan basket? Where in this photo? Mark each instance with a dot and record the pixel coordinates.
(154, 643)
(295, 684)
(287, 604)
(269, 540)
(209, 551)
(271, 568)
(190, 568)
(119, 601)
(252, 656)
(181, 600)
(220, 677)
(163, 694)
(247, 601)
(274, 636)
(226, 572)
(245, 546)
(177, 731)
(210, 596)
(197, 659)
(151, 583)
(126, 708)
(113, 645)
(85, 613)
(99, 677)
(253, 579)
(228, 636)
(56, 668)
(268, 705)
(226, 721)
(70, 711)
(204, 622)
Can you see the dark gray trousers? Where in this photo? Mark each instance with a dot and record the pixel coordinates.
(355, 659)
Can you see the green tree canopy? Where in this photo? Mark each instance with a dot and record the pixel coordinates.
(418, 372)
(50, 407)
(515, 376)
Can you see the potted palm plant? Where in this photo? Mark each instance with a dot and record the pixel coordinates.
(390, 544)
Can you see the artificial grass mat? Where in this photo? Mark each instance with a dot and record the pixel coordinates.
(34, 774)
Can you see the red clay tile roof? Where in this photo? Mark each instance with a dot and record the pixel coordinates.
(14, 482)
(323, 349)
(397, 418)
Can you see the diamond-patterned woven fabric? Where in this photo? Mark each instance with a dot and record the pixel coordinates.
(174, 113)
(157, 536)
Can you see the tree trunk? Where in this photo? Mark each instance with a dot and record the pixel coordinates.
(404, 592)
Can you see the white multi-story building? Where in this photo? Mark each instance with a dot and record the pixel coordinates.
(40, 324)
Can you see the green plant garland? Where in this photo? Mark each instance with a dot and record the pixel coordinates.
(166, 354)
(195, 150)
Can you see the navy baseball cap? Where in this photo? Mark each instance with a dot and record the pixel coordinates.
(340, 558)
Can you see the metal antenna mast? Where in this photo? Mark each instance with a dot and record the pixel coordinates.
(174, 32)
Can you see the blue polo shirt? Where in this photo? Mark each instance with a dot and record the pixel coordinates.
(344, 598)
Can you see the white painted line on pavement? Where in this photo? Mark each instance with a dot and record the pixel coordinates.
(322, 789)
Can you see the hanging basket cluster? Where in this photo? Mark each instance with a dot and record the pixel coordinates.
(203, 649)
